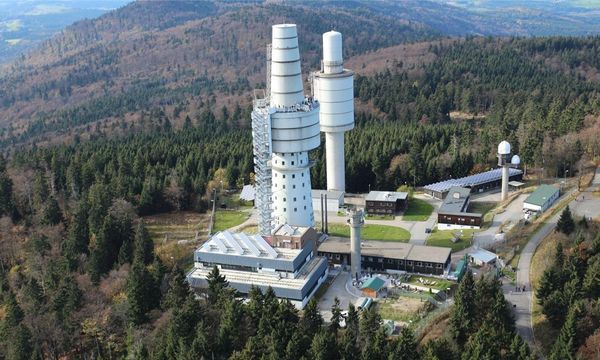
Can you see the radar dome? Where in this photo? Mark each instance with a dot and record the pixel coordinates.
(516, 160)
(504, 148)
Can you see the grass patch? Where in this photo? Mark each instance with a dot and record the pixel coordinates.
(372, 232)
(417, 210)
(401, 308)
(323, 288)
(227, 219)
(379, 217)
(440, 284)
(444, 238)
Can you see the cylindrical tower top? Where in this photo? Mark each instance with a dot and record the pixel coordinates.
(332, 52)
(504, 148)
(286, 77)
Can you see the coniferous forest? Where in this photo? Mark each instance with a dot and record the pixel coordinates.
(88, 154)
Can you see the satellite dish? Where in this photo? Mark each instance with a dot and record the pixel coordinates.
(516, 160)
(504, 148)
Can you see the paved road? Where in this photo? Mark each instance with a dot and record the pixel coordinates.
(523, 300)
(512, 214)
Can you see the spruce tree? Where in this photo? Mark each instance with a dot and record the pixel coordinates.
(336, 316)
(143, 247)
(52, 214)
(565, 223)
(463, 313)
(216, 285)
(567, 343)
(323, 346)
(311, 320)
(405, 347)
(140, 293)
(179, 289)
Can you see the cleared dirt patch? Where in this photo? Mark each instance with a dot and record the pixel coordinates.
(400, 309)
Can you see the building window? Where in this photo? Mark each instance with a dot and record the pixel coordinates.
(292, 163)
(337, 256)
(370, 258)
(294, 199)
(293, 186)
(275, 174)
(419, 263)
(284, 209)
(304, 197)
(284, 186)
(304, 207)
(302, 174)
(284, 199)
(380, 260)
(283, 176)
(293, 175)
(302, 184)
(283, 163)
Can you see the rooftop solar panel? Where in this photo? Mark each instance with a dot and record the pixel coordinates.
(471, 180)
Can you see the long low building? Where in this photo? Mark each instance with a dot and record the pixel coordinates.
(477, 183)
(453, 213)
(388, 255)
(250, 260)
(542, 198)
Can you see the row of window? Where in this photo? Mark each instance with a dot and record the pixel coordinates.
(284, 199)
(295, 209)
(293, 186)
(293, 175)
(389, 261)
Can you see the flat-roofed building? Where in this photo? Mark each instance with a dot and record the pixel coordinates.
(478, 183)
(249, 260)
(292, 237)
(541, 199)
(388, 255)
(335, 200)
(385, 202)
(453, 213)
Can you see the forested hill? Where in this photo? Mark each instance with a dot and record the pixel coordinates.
(170, 53)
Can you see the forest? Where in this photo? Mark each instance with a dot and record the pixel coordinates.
(80, 168)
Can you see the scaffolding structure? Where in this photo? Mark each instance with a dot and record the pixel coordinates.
(262, 149)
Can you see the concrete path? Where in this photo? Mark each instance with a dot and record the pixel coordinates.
(337, 289)
(590, 205)
(512, 214)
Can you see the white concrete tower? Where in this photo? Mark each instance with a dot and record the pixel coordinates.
(333, 87)
(504, 162)
(356, 221)
(294, 132)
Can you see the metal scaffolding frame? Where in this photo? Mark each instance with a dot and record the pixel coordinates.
(262, 149)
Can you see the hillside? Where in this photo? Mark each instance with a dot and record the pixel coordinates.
(168, 53)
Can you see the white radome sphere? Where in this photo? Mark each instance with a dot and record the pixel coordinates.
(504, 148)
(516, 160)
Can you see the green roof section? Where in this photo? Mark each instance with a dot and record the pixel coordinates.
(374, 283)
(541, 195)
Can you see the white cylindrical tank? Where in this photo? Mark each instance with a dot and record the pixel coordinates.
(286, 78)
(332, 52)
(356, 222)
(333, 87)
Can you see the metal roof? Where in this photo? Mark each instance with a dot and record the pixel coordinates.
(247, 193)
(386, 196)
(541, 195)
(472, 180)
(483, 255)
(388, 249)
(240, 244)
(375, 283)
(456, 200)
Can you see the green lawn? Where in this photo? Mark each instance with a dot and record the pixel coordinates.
(417, 210)
(372, 232)
(226, 219)
(443, 238)
(440, 284)
(379, 217)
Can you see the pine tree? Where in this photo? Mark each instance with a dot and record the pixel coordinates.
(78, 238)
(179, 289)
(461, 318)
(323, 346)
(565, 223)
(311, 321)
(143, 247)
(216, 285)
(336, 316)
(567, 343)
(140, 293)
(52, 213)
(405, 348)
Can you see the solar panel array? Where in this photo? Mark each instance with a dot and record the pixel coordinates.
(472, 180)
